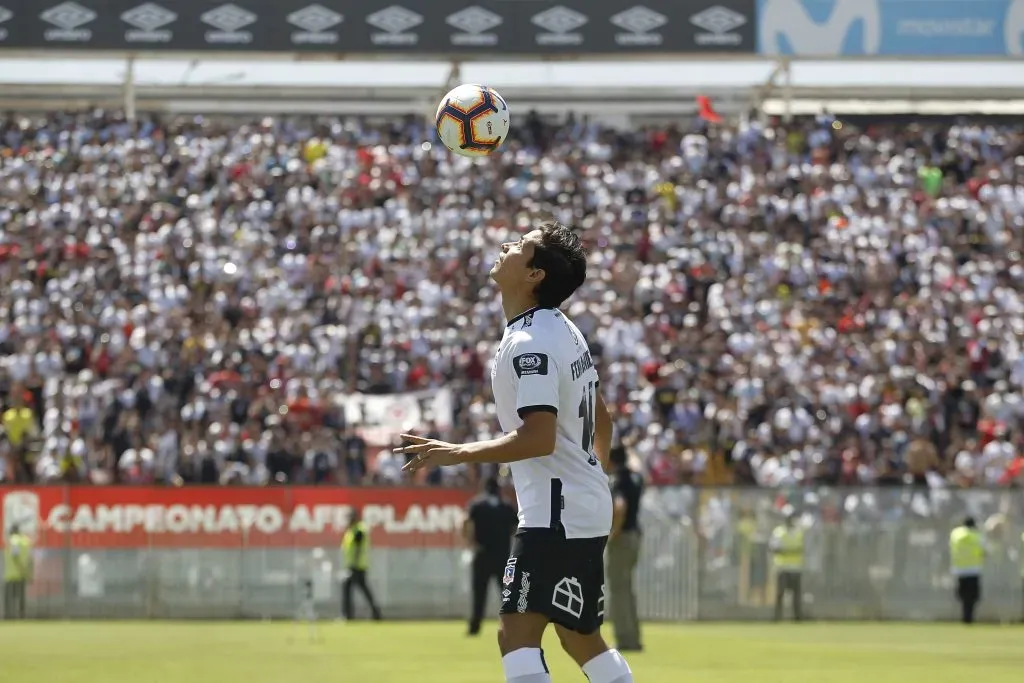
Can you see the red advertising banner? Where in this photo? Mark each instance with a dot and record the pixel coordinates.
(153, 517)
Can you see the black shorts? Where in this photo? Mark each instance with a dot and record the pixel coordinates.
(561, 578)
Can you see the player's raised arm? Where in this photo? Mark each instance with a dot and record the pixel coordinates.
(533, 378)
(534, 439)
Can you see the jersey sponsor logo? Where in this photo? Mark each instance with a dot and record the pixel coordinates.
(505, 595)
(581, 365)
(530, 364)
(568, 596)
(524, 593)
(510, 571)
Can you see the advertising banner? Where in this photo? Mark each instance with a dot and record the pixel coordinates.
(910, 28)
(376, 26)
(227, 517)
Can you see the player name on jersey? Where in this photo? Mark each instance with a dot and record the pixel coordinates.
(581, 365)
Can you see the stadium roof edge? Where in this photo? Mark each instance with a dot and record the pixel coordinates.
(634, 87)
(639, 75)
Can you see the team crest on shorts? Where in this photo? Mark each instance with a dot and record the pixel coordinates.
(510, 572)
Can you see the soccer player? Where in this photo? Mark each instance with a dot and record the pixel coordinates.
(557, 440)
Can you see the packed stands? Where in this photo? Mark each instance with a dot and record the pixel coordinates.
(183, 300)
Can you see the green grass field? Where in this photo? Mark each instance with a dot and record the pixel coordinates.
(177, 652)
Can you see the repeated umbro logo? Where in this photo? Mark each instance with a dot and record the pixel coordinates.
(267, 27)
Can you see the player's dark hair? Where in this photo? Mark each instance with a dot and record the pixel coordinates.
(561, 256)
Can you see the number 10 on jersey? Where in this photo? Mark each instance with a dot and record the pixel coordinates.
(589, 423)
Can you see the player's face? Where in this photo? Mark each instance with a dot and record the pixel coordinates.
(512, 268)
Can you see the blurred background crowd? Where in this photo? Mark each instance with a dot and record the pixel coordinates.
(185, 300)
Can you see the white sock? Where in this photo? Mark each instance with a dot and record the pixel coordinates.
(525, 665)
(608, 667)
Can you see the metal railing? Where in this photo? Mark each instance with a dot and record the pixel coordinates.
(871, 554)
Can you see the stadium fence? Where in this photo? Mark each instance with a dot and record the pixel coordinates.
(238, 553)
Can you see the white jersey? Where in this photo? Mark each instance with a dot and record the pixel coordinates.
(543, 363)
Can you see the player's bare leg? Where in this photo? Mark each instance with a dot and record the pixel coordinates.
(600, 663)
(519, 639)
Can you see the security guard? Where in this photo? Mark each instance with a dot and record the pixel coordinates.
(787, 546)
(624, 551)
(751, 556)
(18, 570)
(355, 548)
(488, 529)
(967, 557)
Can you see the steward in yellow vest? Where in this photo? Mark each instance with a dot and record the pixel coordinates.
(787, 546)
(18, 570)
(355, 546)
(967, 559)
(355, 550)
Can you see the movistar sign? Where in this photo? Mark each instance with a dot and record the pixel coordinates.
(848, 28)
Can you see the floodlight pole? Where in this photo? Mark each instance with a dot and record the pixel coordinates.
(787, 89)
(129, 89)
(765, 90)
(454, 75)
(783, 68)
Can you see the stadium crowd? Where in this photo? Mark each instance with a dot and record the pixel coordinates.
(184, 300)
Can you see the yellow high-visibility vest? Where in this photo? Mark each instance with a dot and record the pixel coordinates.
(746, 528)
(18, 558)
(788, 545)
(966, 551)
(356, 556)
(19, 422)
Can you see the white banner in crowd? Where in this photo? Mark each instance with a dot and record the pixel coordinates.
(383, 417)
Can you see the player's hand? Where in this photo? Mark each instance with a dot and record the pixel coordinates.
(428, 453)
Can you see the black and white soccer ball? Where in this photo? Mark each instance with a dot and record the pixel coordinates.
(472, 120)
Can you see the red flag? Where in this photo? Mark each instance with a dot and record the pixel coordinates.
(706, 111)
